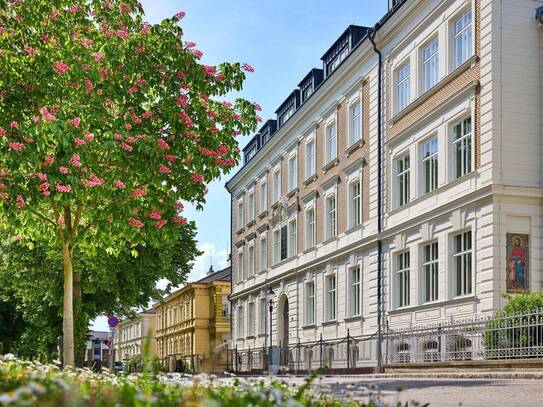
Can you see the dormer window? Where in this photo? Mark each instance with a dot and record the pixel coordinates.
(307, 91)
(339, 54)
(288, 108)
(311, 81)
(342, 47)
(287, 114)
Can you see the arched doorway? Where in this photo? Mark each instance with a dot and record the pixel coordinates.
(283, 329)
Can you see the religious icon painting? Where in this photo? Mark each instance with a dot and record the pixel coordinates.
(518, 267)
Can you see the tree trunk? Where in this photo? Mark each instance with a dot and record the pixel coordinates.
(79, 331)
(68, 315)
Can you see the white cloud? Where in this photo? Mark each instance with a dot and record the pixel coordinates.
(210, 255)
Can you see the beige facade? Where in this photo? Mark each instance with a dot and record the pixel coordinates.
(133, 335)
(193, 325)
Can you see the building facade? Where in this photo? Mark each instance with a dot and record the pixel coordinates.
(193, 325)
(97, 349)
(133, 335)
(401, 184)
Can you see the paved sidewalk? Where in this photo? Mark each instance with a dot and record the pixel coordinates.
(526, 375)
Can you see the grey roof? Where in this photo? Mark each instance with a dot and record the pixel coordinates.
(221, 275)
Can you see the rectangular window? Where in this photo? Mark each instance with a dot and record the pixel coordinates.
(330, 217)
(429, 164)
(430, 270)
(252, 316)
(310, 167)
(263, 314)
(241, 274)
(309, 228)
(463, 42)
(251, 199)
(241, 323)
(331, 143)
(354, 204)
(462, 147)
(292, 249)
(276, 185)
(355, 285)
(331, 298)
(263, 254)
(292, 173)
(403, 81)
(462, 263)
(402, 279)
(430, 65)
(276, 246)
(310, 303)
(240, 214)
(251, 261)
(355, 132)
(263, 196)
(403, 179)
(284, 243)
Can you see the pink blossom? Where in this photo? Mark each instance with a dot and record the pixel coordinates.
(258, 119)
(247, 68)
(44, 188)
(16, 146)
(126, 147)
(136, 222)
(132, 89)
(179, 206)
(258, 108)
(14, 125)
(145, 29)
(79, 141)
(227, 104)
(86, 42)
(75, 161)
(235, 116)
(30, 51)
(222, 150)
(36, 119)
(64, 188)
(117, 137)
(160, 223)
(89, 137)
(179, 220)
(180, 15)
(93, 181)
(119, 184)
(48, 160)
(147, 115)
(61, 67)
(156, 215)
(89, 85)
(45, 38)
(211, 114)
(170, 158)
(63, 170)
(197, 178)
(196, 53)
(128, 126)
(190, 44)
(164, 169)
(41, 176)
(98, 56)
(20, 202)
(2, 131)
(209, 70)
(138, 192)
(180, 75)
(182, 101)
(162, 144)
(47, 115)
(76, 121)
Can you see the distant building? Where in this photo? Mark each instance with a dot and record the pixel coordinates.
(97, 350)
(193, 325)
(131, 336)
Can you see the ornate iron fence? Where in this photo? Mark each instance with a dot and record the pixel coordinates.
(502, 336)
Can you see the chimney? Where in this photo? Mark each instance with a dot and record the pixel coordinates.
(211, 271)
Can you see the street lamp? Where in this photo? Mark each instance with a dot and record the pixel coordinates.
(270, 294)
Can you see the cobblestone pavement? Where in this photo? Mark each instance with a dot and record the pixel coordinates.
(436, 392)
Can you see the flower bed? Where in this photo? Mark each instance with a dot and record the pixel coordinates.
(24, 383)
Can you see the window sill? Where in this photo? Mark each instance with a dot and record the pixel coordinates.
(353, 147)
(280, 263)
(263, 214)
(330, 164)
(308, 326)
(240, 231)
(329, 240)
(292, 192)
(433, 90)
(411, 308)
(353, 318)
(331, 322)
(251, 223)
(310, 249)
(353, 229)
(275, 205)
(250, 337)
(310, 179)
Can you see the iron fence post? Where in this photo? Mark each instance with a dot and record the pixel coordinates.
(320, 355)
(348, 350)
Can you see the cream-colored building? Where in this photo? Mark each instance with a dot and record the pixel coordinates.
(132, 335)
(346, 207)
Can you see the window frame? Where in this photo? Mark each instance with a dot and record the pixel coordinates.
(402, 84)
(310, 166)
(330, 308)
(465, 138)
(292, 238)
(404, 176)
(309, 303)
(308, 246)
(251, 206)
(292, 174)
(241, 268)
(455, 63)
(402, 278)
(263, 195)
(262, 316)
(251, 319)
(354, 294)
(433, 176)
(331, 221)
(431, 58)
(470, 253)
(352, 118)
(263, 264)
(328, 144)
(430, 272)
(251, 262)
(240, 214)
(355, 216)
(276, 195)
(240, 326)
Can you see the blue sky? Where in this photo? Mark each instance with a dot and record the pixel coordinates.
(282, 40)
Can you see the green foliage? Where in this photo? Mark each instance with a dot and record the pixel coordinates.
(139, 364)
(518, 327)
(28, 384)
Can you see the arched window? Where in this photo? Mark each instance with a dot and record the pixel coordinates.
(355, 354)
(330, 357)
(460, 348)
(404, 354)
(431, 351)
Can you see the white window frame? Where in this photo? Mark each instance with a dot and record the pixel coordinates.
(276, 245)
(330, 295)
(354, 294)
(292, 171)
(263, 195)
(276, 176)
(355, 214)
(331, 216)
(241, 268)
(432, 161)
(330, 141)
(403, 177)
(464, 144)
(263, 253)
(263, 316)
(403, 85)
(355, 122)
(309, 240)
(240, 326)
(251, 205)
(402, 277)
(429, 54)
(292, 236)
(240, 221)
(251, 260)
(251, 319)
(309, 302)
(430, 271)
(463, 264)
(462, 39)
(310, 159)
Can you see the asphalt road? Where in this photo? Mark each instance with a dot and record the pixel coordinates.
(436, 392)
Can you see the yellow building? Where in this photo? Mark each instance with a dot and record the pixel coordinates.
(193, 325)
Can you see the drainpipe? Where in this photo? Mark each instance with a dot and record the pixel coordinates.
(231, 276)
(371, 37)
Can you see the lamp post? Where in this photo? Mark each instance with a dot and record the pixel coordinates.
(270, 293)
